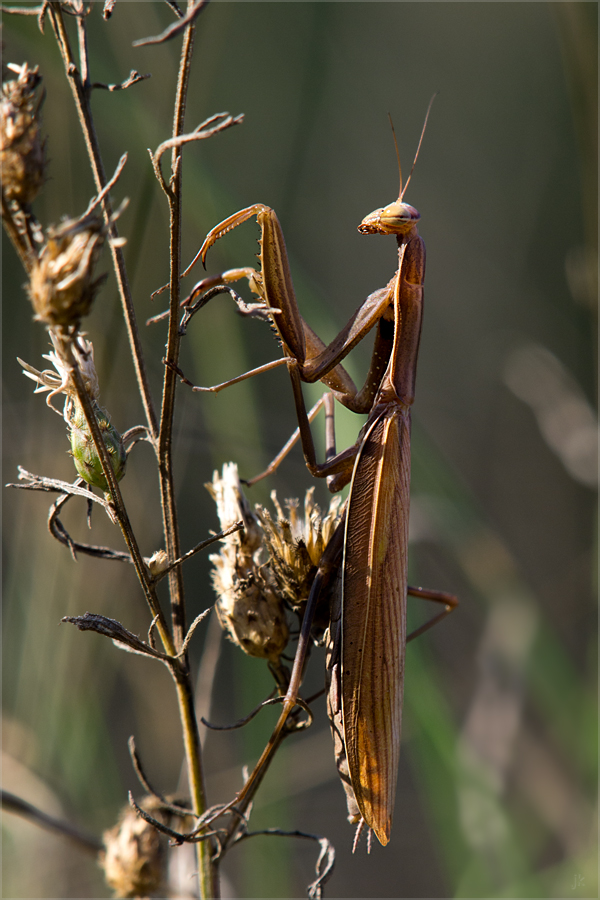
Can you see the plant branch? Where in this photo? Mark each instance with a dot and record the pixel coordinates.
(12, 803)
(115, 493)
(208, 874)
(238, 526)
(325, 862)
(119, 635)
(169, 512)
(176, 28)
(134, 77)
(81, 93)
(145, 782)
(26, 253)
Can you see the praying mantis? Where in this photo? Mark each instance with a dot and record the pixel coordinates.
(369, 552)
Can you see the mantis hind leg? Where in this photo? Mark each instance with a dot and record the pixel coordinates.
(449, 600)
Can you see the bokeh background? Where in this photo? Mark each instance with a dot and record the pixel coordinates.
(496, 793)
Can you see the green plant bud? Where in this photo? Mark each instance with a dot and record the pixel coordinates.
(87, 462)
(22, 151)
(61, 285)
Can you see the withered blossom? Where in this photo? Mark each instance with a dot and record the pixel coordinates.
(295, 544)
(22, 151)
(62, 284)
(135, 855)
(249, 610)
(268, 566)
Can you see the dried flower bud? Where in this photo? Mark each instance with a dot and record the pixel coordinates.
(135, 855)
(22, 152)
(157, 563)
(87, 462)
(249, 610)
(61, 285)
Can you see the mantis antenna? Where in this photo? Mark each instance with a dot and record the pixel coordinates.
(403, 191)
(400, 192)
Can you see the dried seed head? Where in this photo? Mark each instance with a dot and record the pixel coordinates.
(249, 610)
(295, 544)
(22, 152)
(87, 462)
(61, 285)
(135, 855)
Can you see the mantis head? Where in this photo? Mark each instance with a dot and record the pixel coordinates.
(397, 217)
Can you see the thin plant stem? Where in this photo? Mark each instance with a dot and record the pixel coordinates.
(12, 803)
(173, 339)
(81, 93)
(208, 871)
(207, 867)
(113, 486)
(26, 254)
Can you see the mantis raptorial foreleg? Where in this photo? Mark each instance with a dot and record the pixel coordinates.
(273, 285)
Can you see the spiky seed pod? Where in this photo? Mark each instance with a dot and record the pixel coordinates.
(85, 457)
(135, 855)
(295, 545)
(22, 152)
(289, 560)
(249, 610)
(61, 285)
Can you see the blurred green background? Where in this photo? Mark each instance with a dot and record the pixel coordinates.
(497, 783)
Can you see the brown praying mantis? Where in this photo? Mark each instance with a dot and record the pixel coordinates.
(368, 553)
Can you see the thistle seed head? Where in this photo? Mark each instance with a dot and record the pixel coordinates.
(135, 855)
(268, 566)
(61, 285)
(22, 152)
(295, 544)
